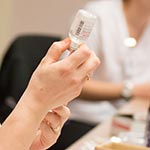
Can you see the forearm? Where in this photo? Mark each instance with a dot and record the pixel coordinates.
(20, 127)
(97, 90)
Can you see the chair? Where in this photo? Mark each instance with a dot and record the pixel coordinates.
(20, 60)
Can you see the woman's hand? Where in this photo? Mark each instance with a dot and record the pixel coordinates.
(55, 83)
(50, 128)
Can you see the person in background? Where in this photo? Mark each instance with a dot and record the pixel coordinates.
(36, 121)
(121, 39)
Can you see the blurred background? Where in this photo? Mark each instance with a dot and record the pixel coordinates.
(121, 40)
(50, 17)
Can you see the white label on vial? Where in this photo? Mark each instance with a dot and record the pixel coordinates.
(81, 28)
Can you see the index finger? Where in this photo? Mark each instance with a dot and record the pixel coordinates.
(57, 48)
(78, 57)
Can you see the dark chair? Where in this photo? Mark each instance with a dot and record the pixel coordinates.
(21, 59)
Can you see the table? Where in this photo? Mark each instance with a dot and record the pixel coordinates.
(102, 131)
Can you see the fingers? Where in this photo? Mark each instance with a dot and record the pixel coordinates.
(78, 57)
(53, 121)
(89, 66)
(63, 112)
(57, 117)
(57, 48)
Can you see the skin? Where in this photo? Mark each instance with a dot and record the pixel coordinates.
(136, 22)
(53, 84)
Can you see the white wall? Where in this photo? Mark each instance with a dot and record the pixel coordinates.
(36, 16)
(5, 15)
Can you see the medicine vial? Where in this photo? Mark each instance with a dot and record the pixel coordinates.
(81, 28)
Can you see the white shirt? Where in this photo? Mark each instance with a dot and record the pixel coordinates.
(118, 62)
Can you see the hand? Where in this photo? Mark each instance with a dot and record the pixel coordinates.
(50, 128)
(55, 83)
(142, 90)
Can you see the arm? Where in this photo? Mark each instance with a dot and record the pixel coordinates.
(53, 84)
(98, 90)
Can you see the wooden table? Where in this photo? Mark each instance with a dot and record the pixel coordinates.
(102, 131)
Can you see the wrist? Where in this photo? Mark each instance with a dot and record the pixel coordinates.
(127, 91)
(34, 104)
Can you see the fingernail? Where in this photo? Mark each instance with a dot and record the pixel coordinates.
(67, 40)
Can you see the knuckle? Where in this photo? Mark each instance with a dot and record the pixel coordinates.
(44, 60)
(67, 112)
(96, 61)
(64, 70)
(85, 50)
(75, 81)
(56, 45)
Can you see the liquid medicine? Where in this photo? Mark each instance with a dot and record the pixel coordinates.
(81, 28)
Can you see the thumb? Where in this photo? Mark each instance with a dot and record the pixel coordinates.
(57, 48)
